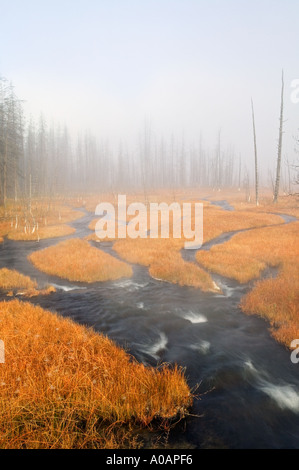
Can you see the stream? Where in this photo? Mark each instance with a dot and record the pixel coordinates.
(247, 385)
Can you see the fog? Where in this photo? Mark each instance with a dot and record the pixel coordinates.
(168, 73)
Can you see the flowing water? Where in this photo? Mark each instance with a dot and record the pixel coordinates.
(248, 386)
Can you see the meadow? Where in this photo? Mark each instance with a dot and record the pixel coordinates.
(64, 385)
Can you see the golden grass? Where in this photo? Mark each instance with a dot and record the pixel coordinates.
(12, 279)
(19, 284)
(277, 300)
(76, 260)
(165, 262)
(5, 228)
(65, 386)
(163, 256)
(29, 293)
(46, 219)
(217, 221)
(242, 258)
(61, 214)
(51, 231)
(245, 256)
(93, 236)
(287, 204)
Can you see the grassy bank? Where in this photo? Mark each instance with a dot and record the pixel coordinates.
(41, 233)
(65, 386)
(76, 260)
(245, 256)
(43, 219)
(14, 283)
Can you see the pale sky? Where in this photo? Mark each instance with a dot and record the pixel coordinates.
(190, 67)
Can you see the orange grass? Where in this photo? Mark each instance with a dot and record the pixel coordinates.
(76, 260)
(245, 256)
(165, 262)
(65, 386)
(51, 231)
(12, 281)
(287, 204)
(277, 300)
(217, 221)
(36, 292)
(163, 256)
(45, 219)
(5, 228)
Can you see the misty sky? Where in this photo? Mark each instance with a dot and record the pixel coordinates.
(189, 67)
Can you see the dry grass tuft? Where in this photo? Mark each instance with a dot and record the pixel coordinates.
(51, 231)
(12, 281)
(65, 386)
(43, 219)
(36, 292)
(76, 260)
(5, 228)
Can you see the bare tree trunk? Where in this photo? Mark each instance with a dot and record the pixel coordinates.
(255, 158)
(30, 193)
(5, 177)
(219, 161)
(277, 181)
(289, 176)
(239, 182)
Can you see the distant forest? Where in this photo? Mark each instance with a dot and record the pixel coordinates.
(39, 159)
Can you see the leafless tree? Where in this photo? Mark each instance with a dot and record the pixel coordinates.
(255, 158)
(278, 168)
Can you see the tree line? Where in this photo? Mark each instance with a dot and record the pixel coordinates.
(40, 159)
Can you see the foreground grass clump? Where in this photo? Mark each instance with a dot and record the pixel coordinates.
(65, 386)
(76, 260)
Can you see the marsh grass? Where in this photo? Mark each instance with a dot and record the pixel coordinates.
(45, 219)
(12, 279)
(14, 283)
(76, 260)
(245, 256)
(165, 262)
(65, 386)
(163, 257)
(50, 231)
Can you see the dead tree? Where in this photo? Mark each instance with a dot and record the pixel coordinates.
(255, 158)
(277, 180)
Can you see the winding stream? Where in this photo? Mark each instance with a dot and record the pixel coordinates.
(249, 386)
